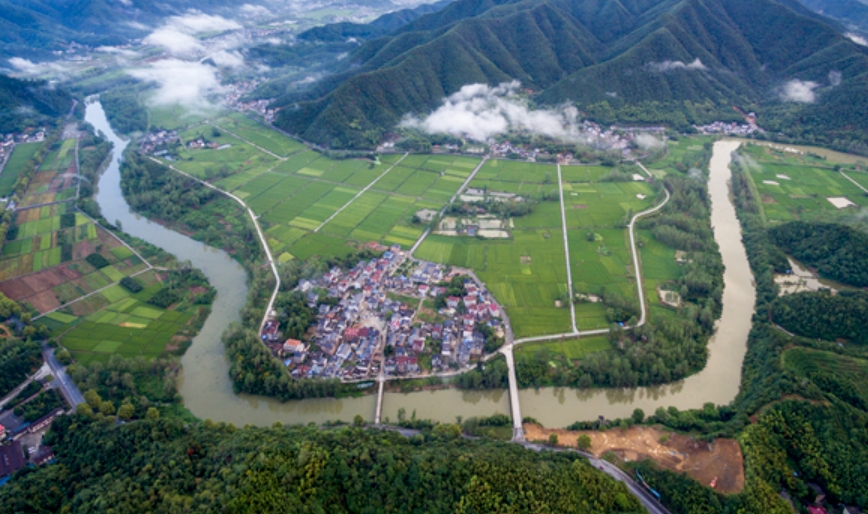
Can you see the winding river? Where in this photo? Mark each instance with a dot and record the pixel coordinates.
(207, 389)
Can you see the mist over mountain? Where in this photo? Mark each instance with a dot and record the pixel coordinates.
(851, 13)
(33, 28)
(685, 60)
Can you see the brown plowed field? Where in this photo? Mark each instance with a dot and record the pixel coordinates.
(702, 461)
(44, 301)
(20, 288)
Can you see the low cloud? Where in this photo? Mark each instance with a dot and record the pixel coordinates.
(479, 111)
(228, 59)
(255, 11)
(176, 43)
(180, 82)
(856, 38)
(801, 91)
(117, 51)
(177, 35)
(666, 66)
(747, 163)
(28, 67)
(649, 142)
(136, 25)
(835, 78)
(195, 22)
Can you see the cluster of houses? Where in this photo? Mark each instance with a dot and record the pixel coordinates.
(730, 129)
(158, 143)
(368, 318)
(239, 90)
(201, 143)
(8, 142)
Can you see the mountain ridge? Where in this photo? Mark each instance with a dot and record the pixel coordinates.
(744, 49)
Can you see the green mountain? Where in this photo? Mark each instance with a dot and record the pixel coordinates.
(615, 56)
(28, 102)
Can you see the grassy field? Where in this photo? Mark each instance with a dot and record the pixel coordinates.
(234, 156)
(125, 325)
(684, 153)
(572, 349)
(14, 165)
(793, 186)
(174, 117)
(303, 191)
(257, 134)
(526, 274)
(60, 157)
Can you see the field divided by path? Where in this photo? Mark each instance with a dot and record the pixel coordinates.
(795, 187)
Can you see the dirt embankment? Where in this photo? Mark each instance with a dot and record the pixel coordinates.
(704, 462)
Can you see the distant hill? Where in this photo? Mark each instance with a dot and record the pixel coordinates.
(32, 28)
(29, 102)
(661, 57)
(340, 32)
(852, 13)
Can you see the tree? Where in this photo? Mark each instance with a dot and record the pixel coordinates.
(638, 416)
(63, 357)
(92, 398)
(358, 420)
(152, 413)
(126, 411)
(553, 439)
(84, 409)
(584, 442)
(107, 408)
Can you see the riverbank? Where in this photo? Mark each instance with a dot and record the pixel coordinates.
(208, 392)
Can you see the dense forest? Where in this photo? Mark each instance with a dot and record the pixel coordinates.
(836, 251)
(124, 111)
(28, 103)
(17, 361)
(167, 196)
(166, 466)
(823, 315)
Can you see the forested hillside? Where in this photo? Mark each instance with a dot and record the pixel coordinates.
(26, 103)
(607, 55)
(824, 316)
(164, 466)
(339, 32)
(836, 251)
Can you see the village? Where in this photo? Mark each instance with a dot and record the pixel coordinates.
(8, 142)
(390, 315)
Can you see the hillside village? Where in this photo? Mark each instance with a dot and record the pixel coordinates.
(390, 312)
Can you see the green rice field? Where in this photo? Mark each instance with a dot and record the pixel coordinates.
(262, 136)
(572, 349)
(127, 326)
(14, 165)
(799, 187)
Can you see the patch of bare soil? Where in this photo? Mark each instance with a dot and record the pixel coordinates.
(44, 301)
(704, 462)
